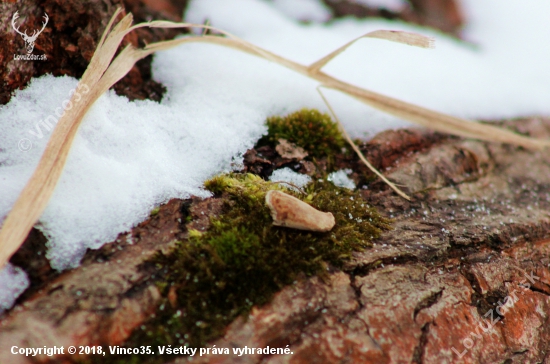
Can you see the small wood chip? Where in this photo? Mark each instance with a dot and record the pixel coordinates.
(288, 211)
(290, 150)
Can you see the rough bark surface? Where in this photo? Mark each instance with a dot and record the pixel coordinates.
(462, 278)
(475, 233)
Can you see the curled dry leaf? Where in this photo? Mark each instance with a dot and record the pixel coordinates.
(288, 211)
(290, 150)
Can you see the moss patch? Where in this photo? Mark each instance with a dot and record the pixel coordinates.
(154, 212)
(242, 259)
(307, 128)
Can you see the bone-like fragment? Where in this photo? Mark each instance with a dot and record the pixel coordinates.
(290, 212)
(290, 150)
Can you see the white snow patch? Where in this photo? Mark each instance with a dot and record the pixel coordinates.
(288, 175)
(340, 178)
(13, 282)
(128, 157)
(131, 156)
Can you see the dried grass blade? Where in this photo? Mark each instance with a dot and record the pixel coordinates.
(358, 151)
(411, 39)
(35, 196)
(122, 64)
(108, 28)
(425, 117)
(433, 119)
(106, 50)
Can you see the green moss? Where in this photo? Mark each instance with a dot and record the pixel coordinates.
(154, 212)
(307, 128)
(249, 185)
(242, 259)
(236, 246)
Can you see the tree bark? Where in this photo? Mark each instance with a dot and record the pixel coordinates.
(462, 277)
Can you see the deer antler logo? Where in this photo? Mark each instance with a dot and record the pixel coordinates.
(29, 39)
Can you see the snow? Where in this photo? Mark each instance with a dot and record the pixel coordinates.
(13, 282)
(340, 178)
(129, 157)
(288, 175)
(104, 189)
